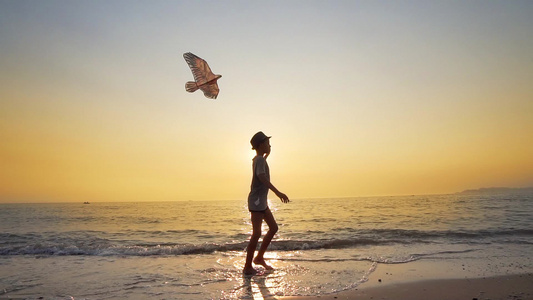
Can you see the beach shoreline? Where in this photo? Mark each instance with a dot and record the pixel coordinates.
(429, 280)
(364, 248)
(494, 288)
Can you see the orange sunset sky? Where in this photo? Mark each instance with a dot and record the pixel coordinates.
(361, 97)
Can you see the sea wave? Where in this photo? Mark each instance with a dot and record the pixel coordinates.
(437, 234)
(108, 248)
(177, 250)
(106, 244)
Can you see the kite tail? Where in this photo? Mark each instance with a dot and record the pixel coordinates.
(191, 86)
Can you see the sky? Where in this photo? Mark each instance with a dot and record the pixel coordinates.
(361, 98)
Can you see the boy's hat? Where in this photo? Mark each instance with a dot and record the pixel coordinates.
(258, 138)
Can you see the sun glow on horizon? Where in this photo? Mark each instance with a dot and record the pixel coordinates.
(434, 98)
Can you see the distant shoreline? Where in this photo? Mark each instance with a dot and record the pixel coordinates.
(496, 190)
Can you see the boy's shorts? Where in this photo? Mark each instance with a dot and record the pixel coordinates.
(260, 211)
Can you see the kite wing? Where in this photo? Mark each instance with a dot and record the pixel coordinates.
(210, 90)
(200, 70)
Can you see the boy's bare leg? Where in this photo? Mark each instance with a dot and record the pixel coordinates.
(257, 219)
(272, 229)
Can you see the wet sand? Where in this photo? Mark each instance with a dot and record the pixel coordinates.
(495, 288)
(427, 280)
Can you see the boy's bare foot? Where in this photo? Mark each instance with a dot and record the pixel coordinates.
(249, 271)
(262, 262)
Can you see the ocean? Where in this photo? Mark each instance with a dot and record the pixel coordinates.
(196, 249)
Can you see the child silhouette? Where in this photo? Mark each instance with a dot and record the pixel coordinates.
(258, 204)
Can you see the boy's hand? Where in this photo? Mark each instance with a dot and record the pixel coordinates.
(283, 197)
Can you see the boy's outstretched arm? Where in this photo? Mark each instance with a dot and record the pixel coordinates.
(267, 182)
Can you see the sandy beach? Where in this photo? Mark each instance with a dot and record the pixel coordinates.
(426, 280)
(494, 288)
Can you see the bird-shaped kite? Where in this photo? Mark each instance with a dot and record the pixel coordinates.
(204, 79)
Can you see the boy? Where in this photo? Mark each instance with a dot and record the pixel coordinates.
(258, 205)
